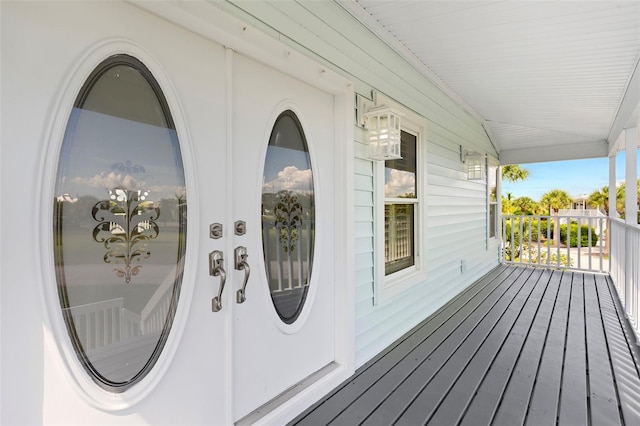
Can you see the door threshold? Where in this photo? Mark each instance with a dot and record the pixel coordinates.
(285, 396)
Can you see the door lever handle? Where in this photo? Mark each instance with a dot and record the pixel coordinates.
(241, 264)
(216, 268)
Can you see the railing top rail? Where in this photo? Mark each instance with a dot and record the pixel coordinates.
(553, 216)
(617, 220)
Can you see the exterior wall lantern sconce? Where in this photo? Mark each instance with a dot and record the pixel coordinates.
(382, 124)
(476, 164)
(383, 133)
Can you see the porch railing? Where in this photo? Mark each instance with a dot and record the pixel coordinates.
(559, 241)
(625, 268)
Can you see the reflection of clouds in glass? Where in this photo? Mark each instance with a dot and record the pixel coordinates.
(111, 180)
(290, 178)
(399, 183)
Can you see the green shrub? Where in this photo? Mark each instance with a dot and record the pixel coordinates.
(584, 235)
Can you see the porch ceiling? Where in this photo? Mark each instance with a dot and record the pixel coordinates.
(549, 80)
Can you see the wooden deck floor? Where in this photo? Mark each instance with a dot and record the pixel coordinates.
(521, 346)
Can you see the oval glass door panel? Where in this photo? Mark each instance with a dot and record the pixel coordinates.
(288, 217)
(119, 223)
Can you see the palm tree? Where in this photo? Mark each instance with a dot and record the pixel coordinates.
(507, 205)
(620, 199)
(555, 200)
(600, 199)
(514, 173)
(526, 205)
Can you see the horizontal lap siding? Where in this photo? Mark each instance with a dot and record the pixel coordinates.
(456, 208)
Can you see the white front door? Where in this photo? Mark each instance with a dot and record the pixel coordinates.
(239, 142)
(282, 186)
(133, 112)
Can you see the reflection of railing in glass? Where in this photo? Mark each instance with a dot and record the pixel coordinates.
(125, 225)
(398, 236)
(117, 339)
(287, 269)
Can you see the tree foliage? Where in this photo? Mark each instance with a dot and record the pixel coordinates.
(600, 199)
(525, 205)
(514, 173)
(556, 199)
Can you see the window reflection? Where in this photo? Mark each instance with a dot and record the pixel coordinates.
(119, 223)
(288, 217)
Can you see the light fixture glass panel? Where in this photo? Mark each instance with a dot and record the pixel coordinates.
(383, 125)
(476, 167)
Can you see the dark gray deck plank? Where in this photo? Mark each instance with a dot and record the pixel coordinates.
(517, 396)
(603, 399)
(543, 408)
(489, 340)
(461, 394)
(490, 392)
(493, 355)
(392, 409)
(369, 374)
(454, 406)
(621, 351)
(573, 408)
(416, 370)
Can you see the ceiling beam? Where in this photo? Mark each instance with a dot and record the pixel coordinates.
(579, 151)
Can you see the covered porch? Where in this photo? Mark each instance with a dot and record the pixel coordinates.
(522, 345)
(535, 341)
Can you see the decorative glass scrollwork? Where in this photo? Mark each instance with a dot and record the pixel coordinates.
(288, 212)
(288, 217)
(126, 224)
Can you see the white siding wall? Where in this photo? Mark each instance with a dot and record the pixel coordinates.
(456, 208)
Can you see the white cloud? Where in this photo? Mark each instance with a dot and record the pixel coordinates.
(290, 178)
(111, 180)
(400, 183)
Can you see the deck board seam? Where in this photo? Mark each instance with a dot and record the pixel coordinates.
(544, 346)
(470, 291)
(504, 281)
(629, 336)
(501, 352)
(523, 344)
(564, 354)
(609, 355)
(504, 341)
(520, 272)
(587, 373)
(463, 339)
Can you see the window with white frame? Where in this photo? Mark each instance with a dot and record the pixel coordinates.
(400, 207)
(400, 211)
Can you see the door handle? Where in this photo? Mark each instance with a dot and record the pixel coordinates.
(216, 268)
(241, 264)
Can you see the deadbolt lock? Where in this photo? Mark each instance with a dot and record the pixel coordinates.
(240, 227)
(215, 231)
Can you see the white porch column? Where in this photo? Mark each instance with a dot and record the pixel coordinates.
(631, 175)
(499, 203)
(612, 187)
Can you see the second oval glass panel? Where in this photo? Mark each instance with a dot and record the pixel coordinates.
(288, 217)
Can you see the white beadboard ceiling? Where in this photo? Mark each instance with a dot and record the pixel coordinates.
(550, 80)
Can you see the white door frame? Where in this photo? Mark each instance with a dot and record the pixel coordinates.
(211, 22)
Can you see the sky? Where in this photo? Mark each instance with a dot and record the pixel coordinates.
(576, 177)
